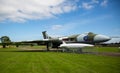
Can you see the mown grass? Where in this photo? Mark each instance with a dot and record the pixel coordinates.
(101, 49)
(13, 61)
(107, 49)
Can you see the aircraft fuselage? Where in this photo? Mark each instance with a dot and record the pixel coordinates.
(87, 38)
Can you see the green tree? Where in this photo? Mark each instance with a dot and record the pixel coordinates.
(5, 40)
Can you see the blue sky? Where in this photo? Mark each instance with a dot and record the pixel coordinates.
(25, 20)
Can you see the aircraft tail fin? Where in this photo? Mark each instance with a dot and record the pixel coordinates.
(45, 35)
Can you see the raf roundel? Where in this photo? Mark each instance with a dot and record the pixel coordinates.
(85, 38)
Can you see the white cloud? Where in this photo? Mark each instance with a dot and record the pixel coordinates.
(62, 29)
(57, 27)
(104, 3)
(22, 10)
(89, 5)
(95, 1)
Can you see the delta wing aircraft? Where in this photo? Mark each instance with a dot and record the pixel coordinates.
(79, 38)
(54, 42)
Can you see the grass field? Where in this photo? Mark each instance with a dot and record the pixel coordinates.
(107, 49)
(13, 61)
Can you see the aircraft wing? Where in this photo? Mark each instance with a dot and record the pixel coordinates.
(42, 42)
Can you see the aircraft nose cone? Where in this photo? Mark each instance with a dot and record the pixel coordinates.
(101, 38)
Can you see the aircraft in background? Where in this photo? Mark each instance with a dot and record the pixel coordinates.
(74, 45)
(78, 46)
